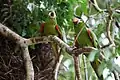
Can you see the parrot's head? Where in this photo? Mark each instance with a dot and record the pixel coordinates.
(52, 14)
(76, 20)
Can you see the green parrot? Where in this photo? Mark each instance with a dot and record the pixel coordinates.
(50, 27)
(84, 37)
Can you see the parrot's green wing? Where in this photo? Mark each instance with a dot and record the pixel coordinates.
(42, 28)
(93, 38)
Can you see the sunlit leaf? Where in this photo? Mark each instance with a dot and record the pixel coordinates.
(93, 54)
(101, 68)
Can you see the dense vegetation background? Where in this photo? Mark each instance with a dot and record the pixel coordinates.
(25, 16)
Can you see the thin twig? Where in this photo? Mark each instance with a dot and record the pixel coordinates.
(116, 75)
(85, 67)
(95, 4)
(8, 72)
(78, 34)
(10, 11)
(108, 27)
(57, 67)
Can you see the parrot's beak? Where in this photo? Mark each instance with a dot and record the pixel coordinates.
(75, 20)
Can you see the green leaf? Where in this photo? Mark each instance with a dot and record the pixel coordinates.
(81, 8)
(101, 68)
(23, 32)
(92, 55)
(84, 4)
(107, 53)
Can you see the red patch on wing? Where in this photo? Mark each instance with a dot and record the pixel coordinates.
(42, 27)
(58, 30)
(89, 32)
(91, 38)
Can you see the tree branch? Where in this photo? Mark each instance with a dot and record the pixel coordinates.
(28, 63)
(37, 40)
(69, 49)
(94, 3)
(108, 27)
(57, 67)
(22, 42)
(10, 11)
(76, 66)
(10, 34)
(85, 67)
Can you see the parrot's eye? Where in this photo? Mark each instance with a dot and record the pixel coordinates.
(52, 14)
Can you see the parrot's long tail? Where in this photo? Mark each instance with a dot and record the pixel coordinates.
(56, 52)
(55, 49)
(95, 65)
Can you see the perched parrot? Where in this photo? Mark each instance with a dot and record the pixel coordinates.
(50, 27)
(84, 37)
